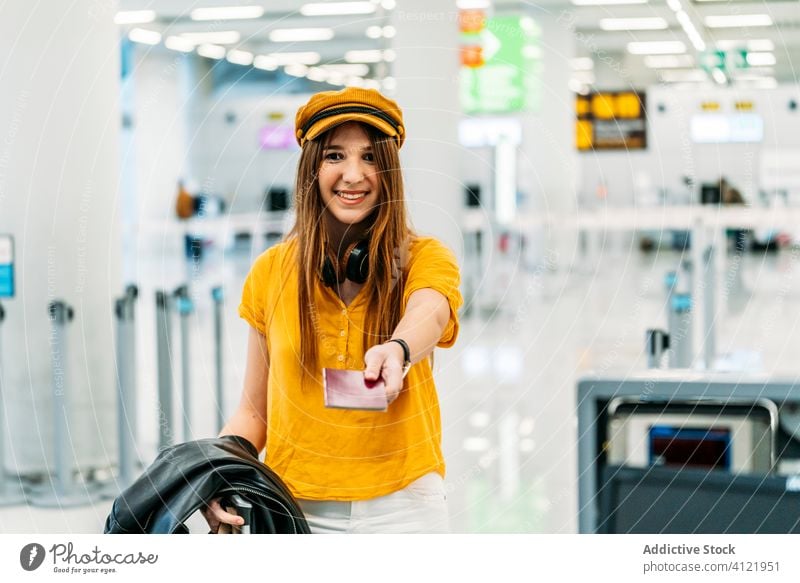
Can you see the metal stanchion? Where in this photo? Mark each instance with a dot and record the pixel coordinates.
(657, 342)
(185, 308)
(164, 350)
(10, 491)
(709, 308)
(217, 296)
(63, 491)
(681, 333)
(127, 418)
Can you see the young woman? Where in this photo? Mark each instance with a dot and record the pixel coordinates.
(351, 287)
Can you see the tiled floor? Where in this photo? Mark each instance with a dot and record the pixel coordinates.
(507, 388)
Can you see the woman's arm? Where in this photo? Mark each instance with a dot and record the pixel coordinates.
(423, 323)
(250, 418)
(248, 421)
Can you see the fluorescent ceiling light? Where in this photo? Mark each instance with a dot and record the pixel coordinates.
(389, 31)
(719, 76)
(371, 56)
(582, 64)
(389, 55)
(225, 37)
(388, 4)
(668, 47)
(227, 13)
(238, 57)
(135, 17)
(652, 23)
(296, 70)
(758, 44)
(354, 69)
(675, 5)
(668, 61)
(303, 58)
(211, 51)
(738, 20)
(692, 75)
(337, 8)
(265, 63)
(355, 81)
(317, 74)
(389, 83)
(473, 4)
(688, 27)
(289, 35)
(760, 59)
(606, 2)
(177, 43)
(374, 32)
(146, 37)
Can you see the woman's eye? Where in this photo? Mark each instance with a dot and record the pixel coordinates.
(333, 156)
(369, 157)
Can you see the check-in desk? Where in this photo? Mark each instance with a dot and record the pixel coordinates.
(683, 452)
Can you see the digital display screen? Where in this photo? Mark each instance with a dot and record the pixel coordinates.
(690, 447)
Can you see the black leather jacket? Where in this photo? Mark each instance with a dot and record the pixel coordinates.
(185, 477)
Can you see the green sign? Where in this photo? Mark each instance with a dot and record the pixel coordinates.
(507, 76)
(723, 60)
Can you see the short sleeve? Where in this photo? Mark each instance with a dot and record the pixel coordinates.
(434, 266)
(255, 292)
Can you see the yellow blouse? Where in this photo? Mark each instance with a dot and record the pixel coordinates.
(336, 454)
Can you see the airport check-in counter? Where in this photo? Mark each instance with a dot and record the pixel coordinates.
(684, 452)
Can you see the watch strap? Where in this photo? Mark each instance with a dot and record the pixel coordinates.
(406, 354)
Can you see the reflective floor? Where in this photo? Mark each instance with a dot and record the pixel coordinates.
(507, 388)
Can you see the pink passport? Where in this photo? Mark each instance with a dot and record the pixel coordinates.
(348, 389)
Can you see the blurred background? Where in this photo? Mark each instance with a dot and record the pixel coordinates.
(618, 178)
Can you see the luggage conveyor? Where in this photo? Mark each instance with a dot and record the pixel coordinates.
(675, 452)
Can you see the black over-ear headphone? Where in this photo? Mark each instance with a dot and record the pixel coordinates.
(354, 265)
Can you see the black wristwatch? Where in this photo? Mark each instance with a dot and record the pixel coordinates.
(406, 354)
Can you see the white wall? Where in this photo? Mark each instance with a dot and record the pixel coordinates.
(226, 158)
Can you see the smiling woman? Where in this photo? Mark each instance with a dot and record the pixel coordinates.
(352, 287)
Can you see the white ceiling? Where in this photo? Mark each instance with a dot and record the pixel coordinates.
(173, 18)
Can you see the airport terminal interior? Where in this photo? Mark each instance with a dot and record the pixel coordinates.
(619, 180)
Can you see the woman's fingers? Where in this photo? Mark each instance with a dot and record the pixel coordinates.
(217, 517)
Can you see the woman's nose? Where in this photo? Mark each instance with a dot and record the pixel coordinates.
(353, 172)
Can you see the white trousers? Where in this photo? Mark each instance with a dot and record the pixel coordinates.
(420, 507)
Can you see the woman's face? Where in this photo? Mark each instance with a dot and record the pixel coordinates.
(348, 175)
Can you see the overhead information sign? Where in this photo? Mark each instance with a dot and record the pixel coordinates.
(500, 63)
(611, 120)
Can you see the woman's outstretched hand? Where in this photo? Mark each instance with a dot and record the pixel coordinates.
(386, 361)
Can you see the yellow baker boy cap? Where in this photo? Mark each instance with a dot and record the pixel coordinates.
(330, 108)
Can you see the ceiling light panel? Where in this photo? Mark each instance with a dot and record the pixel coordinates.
(737, 20)
(303, 58)
(227, 13)
(668, 61)
(656, 48)
(652, 23)
(337, 8)
(177, 43)
(367, 56)
(289, 35)
(224, 37)
(210, 51)
(238, 57)
(757, 44)
(760, 59)
(144, 36)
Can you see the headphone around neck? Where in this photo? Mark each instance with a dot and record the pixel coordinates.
(353, 266)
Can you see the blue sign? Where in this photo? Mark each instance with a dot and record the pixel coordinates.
(6, 266)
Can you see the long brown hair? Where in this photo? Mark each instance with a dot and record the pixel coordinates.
(389, 236)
